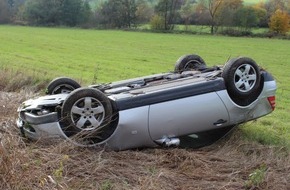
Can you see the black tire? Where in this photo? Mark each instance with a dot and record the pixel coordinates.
(243, 80)
(189, 62)
(86, 115)
(62, 85)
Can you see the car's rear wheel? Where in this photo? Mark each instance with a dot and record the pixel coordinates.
(189, 62)
(62, 85)
(243, 80)
(86, 117)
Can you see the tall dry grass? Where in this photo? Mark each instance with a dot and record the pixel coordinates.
(15, 81)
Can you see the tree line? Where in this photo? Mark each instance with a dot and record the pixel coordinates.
(219, 15)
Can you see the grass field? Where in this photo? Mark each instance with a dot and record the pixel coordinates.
(33, 55)
(90, 55)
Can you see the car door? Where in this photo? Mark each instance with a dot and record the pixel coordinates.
(187, 115)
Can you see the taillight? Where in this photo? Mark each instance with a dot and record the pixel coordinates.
(272, 101)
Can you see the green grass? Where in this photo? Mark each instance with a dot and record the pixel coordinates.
(45, 53)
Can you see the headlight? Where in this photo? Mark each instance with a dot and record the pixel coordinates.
(21, 107)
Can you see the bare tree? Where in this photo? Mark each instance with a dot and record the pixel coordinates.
(212, 6)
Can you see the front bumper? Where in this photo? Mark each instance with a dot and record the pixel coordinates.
(37, 127)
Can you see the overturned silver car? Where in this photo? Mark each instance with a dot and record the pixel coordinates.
(150, 111)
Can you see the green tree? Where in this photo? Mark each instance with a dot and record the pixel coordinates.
(43, 12)
(246, 18)
(226, 12)
(279, 22)
(261, 13)
(129, 9)
(9, 10)
(4, 12)
(186, 12)
(168, 10)
(56, 12)
(117, 14)
(144, 12)
(71, 12)
(86, 13)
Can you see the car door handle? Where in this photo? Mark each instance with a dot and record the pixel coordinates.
(220, 122)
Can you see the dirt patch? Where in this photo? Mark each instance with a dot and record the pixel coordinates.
(232, 163)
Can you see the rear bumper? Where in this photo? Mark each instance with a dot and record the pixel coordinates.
(260, 107)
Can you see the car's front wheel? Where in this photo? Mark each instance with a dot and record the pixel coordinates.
(243, 80)
(86, 116)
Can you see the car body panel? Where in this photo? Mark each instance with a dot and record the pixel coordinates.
(132, 130)
(187, 115)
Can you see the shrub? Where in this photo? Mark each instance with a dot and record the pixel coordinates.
(279, 22)
(235, 32)
(157, 23)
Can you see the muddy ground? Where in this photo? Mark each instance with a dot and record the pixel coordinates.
(232, 163)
